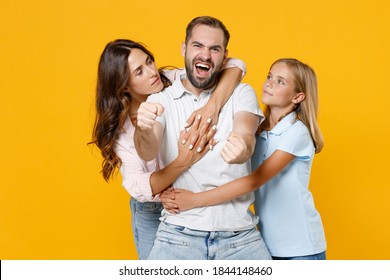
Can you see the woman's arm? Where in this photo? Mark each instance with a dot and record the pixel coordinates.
(163, 178)
(232, 74)
(143, 180)
(181, 200)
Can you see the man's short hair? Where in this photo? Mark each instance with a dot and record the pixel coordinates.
(209, 21)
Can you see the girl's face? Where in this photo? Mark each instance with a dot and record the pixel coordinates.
(144, 76)
(279, 88)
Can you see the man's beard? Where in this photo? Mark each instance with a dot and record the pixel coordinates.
(203, 83)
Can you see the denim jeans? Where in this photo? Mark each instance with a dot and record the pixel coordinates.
(319, 256)
(181, 243)
(144, 223)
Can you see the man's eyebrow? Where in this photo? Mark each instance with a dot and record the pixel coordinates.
(216, 47)
(210, 47)
(197, 43)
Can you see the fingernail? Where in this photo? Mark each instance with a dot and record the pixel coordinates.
(186, 124)
(191, 146)
(210, 147)
(209, 120)
(214, 127)
(199, 117)
(183, 142)
(199, 149)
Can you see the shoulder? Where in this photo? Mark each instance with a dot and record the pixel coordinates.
(126, 136)
(244, 90)
(127, 129)
(243, 86)
(160, 96)
(297, 130)
(297, 140)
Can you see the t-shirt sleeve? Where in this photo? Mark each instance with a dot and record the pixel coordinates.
(171, 74)
(235, 62)
(245, 100)
(296, 140)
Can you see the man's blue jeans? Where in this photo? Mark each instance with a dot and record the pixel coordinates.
(181, 243)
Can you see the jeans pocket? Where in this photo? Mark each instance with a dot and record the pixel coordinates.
(172, 234)
(243, 238)
(149, 208)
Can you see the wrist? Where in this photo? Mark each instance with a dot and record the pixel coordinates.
(216, 101)
(200, 199)
(180, 164)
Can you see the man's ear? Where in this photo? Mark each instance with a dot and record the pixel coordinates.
(183, 49)
(226, 56)
(298, 98)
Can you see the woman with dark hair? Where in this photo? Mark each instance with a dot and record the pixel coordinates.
(127, 75)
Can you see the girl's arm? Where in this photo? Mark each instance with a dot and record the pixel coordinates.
(181, 200)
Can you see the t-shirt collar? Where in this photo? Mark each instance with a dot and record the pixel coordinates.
(180, 90)
(284, 124)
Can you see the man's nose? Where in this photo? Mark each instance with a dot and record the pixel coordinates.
(206, 53)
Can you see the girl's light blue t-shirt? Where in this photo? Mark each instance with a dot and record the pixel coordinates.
(288, 219)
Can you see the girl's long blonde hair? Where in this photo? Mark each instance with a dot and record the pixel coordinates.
(307, 110)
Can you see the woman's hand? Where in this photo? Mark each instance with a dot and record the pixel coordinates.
(187, 154)
(178, 200)
(167, 198)
(200, 123)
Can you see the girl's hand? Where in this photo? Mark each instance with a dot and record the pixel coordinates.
(167, 199)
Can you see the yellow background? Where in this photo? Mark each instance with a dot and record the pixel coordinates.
(54, 203)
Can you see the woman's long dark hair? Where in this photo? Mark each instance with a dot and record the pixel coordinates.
(112, 100)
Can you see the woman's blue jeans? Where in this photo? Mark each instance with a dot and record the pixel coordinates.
(144, 223)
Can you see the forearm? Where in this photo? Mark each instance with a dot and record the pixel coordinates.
(241, 141)
(228, 81)
(148, 132)
(226, 192)
(265, 172)
(145, 144)
(186, 157)
(250, 143)
(162, 179)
